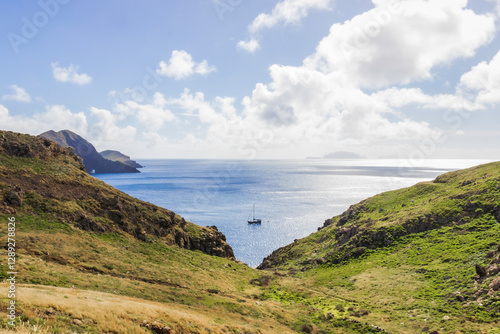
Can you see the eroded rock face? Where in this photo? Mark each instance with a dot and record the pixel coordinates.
(345, 234)
(14, 197)
(347, 216)
(89, 224)
(492, 270)
(352, 240)
(18, 150)
(12, 144)
(212, 242)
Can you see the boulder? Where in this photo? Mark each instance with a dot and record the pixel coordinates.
(306, 329)
(458, 296)
(344, 234)
(14, 197)
(493, 270)
(481, 271)
(78, 322)
(157, 327)
(495, 285)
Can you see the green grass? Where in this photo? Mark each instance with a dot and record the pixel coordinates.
(410, 265)
(424, 279)
(415, 278)
(456, 197)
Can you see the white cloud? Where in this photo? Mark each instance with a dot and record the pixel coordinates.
(207, 112)
(181, 66)
(4, 113)
(400, 97)
(55, 117)
(214, 126)
(304, 108)
(321, 106)
(482, 82)
(251, 46)
(285, 12)
(106, 130)
(399, 42)
(18, 94)
(301, 108)
(70, 74)
(152, 115)
(60, 117)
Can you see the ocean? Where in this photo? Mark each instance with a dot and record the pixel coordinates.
(291, 197)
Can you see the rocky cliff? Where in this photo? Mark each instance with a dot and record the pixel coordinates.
(92, 160)
(118, 156)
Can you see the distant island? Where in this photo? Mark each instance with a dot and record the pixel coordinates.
(92, 160)
(343, 155)
(118, 156)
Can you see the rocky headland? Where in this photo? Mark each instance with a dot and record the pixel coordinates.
(92, 160)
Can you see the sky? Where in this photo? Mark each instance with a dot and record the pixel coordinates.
(256, 79)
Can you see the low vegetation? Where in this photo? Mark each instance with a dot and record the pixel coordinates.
(425, 259)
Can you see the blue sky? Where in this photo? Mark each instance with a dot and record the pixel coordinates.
(256, 79)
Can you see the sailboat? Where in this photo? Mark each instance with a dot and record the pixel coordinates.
(254, 220)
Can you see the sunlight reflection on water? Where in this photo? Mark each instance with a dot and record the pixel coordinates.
(293, 198)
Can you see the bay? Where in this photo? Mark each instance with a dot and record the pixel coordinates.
(292, 197)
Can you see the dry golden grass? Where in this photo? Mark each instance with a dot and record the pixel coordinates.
(188, 291)
(108, 313)
(28, 329)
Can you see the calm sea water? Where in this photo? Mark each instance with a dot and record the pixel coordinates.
(293, 198)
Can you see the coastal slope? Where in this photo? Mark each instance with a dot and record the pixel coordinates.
(420, 259)
(452, 199)
(91, 259)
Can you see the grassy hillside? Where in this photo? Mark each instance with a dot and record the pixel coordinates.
(424, 258)
(91, 259)
(45, 184)
(452, 199)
